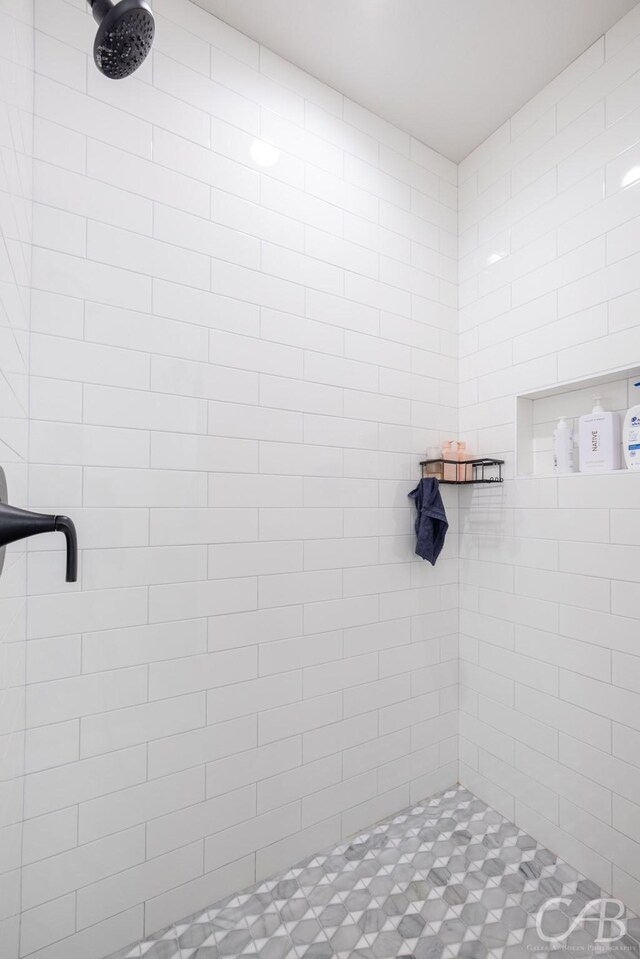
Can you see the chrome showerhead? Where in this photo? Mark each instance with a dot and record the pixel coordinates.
(125, 34)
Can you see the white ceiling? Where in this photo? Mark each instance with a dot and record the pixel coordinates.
(449, 72)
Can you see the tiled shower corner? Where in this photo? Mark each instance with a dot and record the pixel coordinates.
(448, 877)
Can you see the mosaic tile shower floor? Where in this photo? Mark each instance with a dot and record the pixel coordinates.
(449, 877)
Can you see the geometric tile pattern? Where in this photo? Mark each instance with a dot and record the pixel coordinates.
(447, 878)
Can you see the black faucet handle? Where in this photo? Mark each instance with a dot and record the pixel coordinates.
(16, 524)
(68, 527)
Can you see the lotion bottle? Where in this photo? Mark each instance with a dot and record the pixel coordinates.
(465, 473)
(434, 468)
(563, 453)
(449, 452)
(599, 440)
(631, 437)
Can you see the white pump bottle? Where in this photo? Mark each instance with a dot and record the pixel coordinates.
(563, 452)
(631, 437)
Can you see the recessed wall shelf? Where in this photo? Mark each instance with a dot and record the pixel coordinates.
(464, 472)
(537, 414)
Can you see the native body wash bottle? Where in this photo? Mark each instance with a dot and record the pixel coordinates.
(599, 440)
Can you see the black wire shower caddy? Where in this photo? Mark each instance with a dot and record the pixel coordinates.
(485, 470)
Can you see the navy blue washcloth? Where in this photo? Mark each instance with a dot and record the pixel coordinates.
(431, 521)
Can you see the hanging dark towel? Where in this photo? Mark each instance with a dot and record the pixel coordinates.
(431, 521)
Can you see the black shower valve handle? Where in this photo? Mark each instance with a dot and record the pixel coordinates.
(16, 524)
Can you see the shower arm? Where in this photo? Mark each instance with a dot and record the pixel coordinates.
(99, 8)
(16, 524)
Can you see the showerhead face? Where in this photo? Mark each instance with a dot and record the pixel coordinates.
(124, 38)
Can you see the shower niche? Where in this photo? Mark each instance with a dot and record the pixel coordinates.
(537, 414)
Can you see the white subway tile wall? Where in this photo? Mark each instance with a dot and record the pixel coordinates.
(232, 371)
(549, 621)
(235, 370)
(16, 233)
